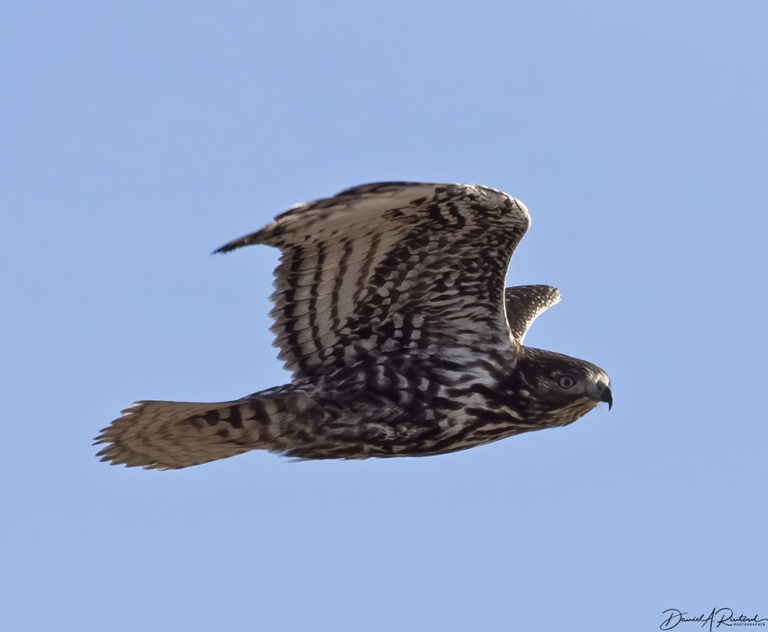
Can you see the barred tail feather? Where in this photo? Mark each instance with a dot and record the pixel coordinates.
(170, 435)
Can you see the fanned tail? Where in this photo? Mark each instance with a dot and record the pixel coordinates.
(171, 435)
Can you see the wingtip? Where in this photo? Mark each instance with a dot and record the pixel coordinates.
(224, 249)
(246, 240)
(230, 246)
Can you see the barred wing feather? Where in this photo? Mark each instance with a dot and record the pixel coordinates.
(391, 257)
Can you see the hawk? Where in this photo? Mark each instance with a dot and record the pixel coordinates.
(391, 314)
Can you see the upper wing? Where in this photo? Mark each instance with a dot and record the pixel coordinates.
(524, 303)
(376, 264)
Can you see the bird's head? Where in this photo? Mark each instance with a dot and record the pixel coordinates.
(560, 389)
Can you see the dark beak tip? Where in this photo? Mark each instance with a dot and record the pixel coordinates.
(607, 397)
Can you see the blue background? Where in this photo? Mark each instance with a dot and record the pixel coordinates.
(139, 136)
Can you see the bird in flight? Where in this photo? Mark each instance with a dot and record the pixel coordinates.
(391, 314)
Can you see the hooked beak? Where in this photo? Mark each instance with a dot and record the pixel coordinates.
(606, 396)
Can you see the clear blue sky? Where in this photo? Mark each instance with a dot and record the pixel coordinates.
(139, 136)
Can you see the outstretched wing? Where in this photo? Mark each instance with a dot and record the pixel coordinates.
(524, 303)
(378, 264)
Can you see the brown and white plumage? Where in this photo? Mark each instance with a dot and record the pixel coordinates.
(390, 314)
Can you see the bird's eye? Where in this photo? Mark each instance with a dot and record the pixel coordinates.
(566, 381)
